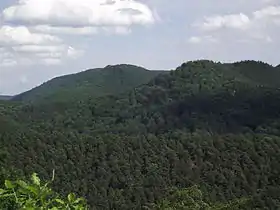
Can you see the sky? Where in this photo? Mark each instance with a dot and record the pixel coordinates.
(42, 39)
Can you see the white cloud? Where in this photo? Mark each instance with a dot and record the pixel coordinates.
(202, 39)
(82, 31)
(51, 61)
(20, 46)
(79, 13)
(21, 35)
(235, 21)
(73, 53)
(117, 30)
(267, 12)
(66, 30)
(49, 54)
(56, 52)
(38, 48)
(6, 58)
(255, 26)
(6, 62)
(33, 29)
(4, 53)
(194, 40)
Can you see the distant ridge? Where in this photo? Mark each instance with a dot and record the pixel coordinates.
(115, 79)
(5, 97)
(110, 80)
(259, 72)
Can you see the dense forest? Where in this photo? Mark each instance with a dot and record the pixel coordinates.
(122, 137)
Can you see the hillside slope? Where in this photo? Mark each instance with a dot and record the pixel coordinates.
(204, 123)
(91, 83)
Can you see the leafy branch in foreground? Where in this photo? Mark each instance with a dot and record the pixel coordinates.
(35, 195)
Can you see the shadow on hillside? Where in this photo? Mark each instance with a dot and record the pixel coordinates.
(225, 112)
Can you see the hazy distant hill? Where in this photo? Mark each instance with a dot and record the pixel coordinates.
(4, 97)
(91, 83)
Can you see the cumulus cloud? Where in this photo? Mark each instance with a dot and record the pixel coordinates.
(46, 54)
(82, 31)
(38, 48)
(65, 30)
(20, 46)
(37, 31)
(235, 21)
(79, 13)
(21, 35)
(267, 12)
(242, 27)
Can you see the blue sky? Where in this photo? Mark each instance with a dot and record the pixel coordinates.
(41, 39)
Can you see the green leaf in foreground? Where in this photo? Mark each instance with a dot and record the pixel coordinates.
(36, 180)
(32, 195)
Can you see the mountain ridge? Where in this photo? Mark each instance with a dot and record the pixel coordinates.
(235, 65)
(111, 79)
(5, 97)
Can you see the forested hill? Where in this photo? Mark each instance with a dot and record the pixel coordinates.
(260, 72)
(109, 80)
(210, 124)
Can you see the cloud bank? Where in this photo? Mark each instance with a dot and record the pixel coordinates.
(37, 31)
(258, 25)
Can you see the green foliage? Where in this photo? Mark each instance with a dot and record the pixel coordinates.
(189, 198)
(34, 195)
(192, 199)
